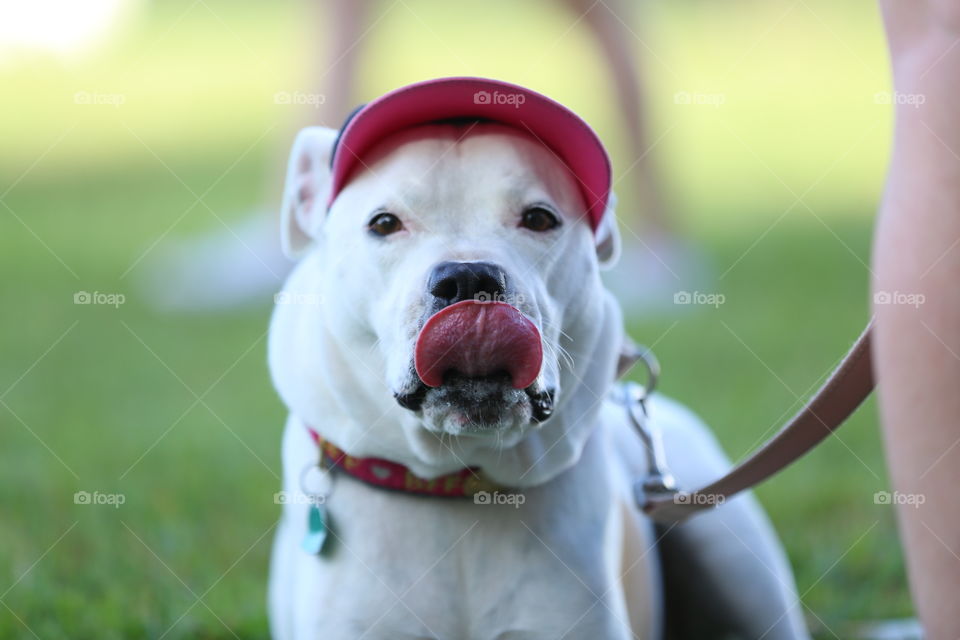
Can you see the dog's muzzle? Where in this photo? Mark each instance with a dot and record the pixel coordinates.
(474, 342)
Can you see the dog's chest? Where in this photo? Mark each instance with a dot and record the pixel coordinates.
(410, 567)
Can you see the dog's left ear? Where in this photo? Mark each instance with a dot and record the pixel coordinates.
(305, 193)
(607, 236)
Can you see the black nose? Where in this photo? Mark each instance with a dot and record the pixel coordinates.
(455, 281)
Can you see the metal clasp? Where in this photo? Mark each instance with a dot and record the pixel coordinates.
(658, 480)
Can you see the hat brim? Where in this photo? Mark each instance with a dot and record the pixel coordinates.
(571, 139)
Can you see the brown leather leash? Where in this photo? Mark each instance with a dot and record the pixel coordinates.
(846, 388)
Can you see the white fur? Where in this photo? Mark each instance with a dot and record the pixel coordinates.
(575, 559)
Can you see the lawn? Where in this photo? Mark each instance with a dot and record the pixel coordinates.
(176, 412)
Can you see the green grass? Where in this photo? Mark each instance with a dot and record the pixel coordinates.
(120, 415)
(793, 306)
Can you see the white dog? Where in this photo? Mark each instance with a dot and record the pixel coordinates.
(379, 347)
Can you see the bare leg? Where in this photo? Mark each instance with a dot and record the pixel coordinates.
(608, 22)
(337, 25)
(917, 252)
(222, 268)
(336, 77)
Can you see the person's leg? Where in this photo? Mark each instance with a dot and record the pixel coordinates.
(607, 21)
(243, 264)
(338, 73)
(657, 260)
(917, 264)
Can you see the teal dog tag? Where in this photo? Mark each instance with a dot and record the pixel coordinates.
(317, 530)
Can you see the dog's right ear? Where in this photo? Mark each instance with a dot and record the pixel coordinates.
(607, 236)
(307, 188)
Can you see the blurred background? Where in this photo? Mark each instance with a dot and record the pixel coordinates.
(140, 442)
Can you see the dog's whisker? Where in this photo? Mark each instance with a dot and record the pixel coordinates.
(557, 350)
(560, 354)
(550, 325)
(565, 357)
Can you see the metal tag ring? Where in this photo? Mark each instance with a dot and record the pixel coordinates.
(325, 470)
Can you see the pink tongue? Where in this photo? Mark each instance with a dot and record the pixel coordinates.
(478, 339)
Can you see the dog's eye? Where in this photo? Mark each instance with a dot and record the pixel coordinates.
(383, 224)
(539, 219)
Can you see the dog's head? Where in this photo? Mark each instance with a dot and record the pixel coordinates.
(448, 308)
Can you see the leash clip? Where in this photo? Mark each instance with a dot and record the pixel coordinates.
(658, 480)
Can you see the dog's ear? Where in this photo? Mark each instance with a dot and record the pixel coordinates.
(307, 188)
(608, 236)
